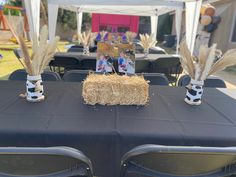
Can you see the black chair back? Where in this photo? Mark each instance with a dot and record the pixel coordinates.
(21, 75)
(75, 75)
(170, 66)
(156, 78)
(88, 64)
(65, 62)
(142, 66)
(79, 48)
(212, 81)
(173, 161)
(44, 162)
(167, 65)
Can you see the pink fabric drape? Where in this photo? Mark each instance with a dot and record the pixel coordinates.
(115, 21)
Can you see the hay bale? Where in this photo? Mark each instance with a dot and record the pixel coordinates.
(115, 90)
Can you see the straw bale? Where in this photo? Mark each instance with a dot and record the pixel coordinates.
(115, 90)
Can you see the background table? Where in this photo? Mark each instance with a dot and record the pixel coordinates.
(105, 133)
(80, 56)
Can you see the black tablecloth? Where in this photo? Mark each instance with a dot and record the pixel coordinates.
(80, 56)
(105, 133)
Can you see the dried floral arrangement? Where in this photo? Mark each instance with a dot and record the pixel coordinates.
(42, 53)
(205, 64)
(103, 35)
(115, 90)
(130, 36)
(147, 41)
(86, 39)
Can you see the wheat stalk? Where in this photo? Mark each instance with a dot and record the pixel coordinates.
(86, 39)
(228, 59)
(209, 62)
(130, 36)
(147, 41)
(205, 65)
(186, 59)
(42, 54)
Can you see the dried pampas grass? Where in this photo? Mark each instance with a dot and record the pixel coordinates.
(86, 39)
(115, 90)
(42, 53)
(147, 41)
(199, 68)
(130, 36)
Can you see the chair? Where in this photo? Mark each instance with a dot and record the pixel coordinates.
(88, 64)
(44, 162)
(142, 66)
(170, 66)
(75, 75)
(178, 161)
(212, 81)
(21, 75)
(75, 48)
(156, 78)
(67, 63)
(79, 48)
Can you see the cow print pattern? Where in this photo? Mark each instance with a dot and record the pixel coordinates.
(194, 94)
(35, 90)
(86, 50)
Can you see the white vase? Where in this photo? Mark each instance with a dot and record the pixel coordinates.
(34, 88)
(86, 50)
(194, 92)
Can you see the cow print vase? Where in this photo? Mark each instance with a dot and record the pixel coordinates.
(86, 50)
(194, 92)
(34, 87)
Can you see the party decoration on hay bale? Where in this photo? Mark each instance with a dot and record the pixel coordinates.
(115, 90)
(86, 39)
(202, 66)
(35, 63)
(105, 58)
(147, 41)
(126, 61)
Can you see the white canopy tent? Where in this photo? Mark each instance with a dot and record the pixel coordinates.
(152, 8)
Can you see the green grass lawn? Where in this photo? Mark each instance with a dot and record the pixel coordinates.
(9, 62)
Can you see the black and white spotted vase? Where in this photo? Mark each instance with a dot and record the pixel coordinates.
(194, 92)
(86, 50)
(34, 87)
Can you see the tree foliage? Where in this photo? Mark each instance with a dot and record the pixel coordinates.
(17, 3)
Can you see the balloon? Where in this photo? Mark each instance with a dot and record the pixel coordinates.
(210, 28)
(216, 20)
(205, 20)
(210, 10)
(203, 9)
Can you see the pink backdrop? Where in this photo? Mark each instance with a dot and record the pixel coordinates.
(115, 21)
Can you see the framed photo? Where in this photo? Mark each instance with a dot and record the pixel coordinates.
(105, 57)
(126, 59)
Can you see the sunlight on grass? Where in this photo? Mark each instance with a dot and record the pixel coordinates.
(9, 62)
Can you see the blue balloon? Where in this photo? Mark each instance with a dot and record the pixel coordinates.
(216, 20)
(210, 28)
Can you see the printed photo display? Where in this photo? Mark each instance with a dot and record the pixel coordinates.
(105, 58)
(122, 53)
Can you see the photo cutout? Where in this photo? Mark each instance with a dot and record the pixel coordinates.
(126, 60)
(105, 58)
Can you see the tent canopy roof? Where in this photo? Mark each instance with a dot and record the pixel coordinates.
(126, 7)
